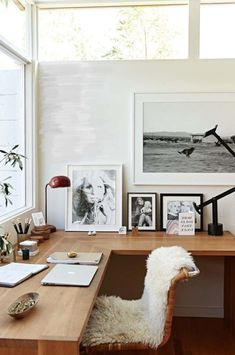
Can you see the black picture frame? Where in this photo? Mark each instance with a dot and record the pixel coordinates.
(143, 215)
(165, 198)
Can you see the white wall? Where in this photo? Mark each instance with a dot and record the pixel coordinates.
(86, 116)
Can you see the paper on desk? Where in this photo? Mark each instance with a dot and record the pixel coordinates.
(81, 258)
(14, 273)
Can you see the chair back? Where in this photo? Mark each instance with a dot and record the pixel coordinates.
(163, 266)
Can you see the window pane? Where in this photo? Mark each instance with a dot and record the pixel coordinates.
(217, 31)
(11, 129)
(106, 33)
(13, 24)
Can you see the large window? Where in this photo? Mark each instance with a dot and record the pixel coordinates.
(217, 30)
(13, 21)
(11, 128)
(15, 109)
(113, 33)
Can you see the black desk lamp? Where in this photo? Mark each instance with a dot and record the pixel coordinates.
(214, 228)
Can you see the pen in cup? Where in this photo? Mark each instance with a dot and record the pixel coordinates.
(20, 226)
(15, 227)
(27, 225)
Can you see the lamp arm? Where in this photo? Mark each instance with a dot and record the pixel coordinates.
(218, 197)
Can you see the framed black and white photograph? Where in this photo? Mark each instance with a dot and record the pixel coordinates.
(172, 204)
(94, 200)
(184, 139)
(141, 211)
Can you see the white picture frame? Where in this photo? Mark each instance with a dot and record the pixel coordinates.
(192, 113)
(94, 200)
(38, 219)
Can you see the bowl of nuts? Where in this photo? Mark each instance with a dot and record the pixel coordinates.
(23, 305)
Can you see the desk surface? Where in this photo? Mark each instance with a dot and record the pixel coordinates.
(58, 321)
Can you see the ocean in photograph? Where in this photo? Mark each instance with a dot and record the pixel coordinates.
(186, 157)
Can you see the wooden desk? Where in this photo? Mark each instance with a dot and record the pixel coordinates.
(57, 323)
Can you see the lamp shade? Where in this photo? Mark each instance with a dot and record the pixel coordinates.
(59, 181)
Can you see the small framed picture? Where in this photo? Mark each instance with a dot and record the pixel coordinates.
(38, 219)
(172, 204)
(141, 211)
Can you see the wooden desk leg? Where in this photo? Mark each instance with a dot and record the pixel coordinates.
(58, 347)
(229, 293)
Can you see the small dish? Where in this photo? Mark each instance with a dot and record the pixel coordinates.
(23, 305)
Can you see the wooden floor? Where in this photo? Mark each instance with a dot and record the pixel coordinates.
(195, 336)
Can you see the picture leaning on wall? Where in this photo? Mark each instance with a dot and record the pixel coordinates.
(141, 211)
(94, 200)
(171, 204)
(184, 138)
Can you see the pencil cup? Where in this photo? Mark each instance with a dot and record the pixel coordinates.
(21, 238)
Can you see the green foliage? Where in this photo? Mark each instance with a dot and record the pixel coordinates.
(137, 32)
(14, 159)
(141, 33)
(4, 2)
(5, 190)
(6, 247)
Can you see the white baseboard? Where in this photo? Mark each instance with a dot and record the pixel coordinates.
(194, 311)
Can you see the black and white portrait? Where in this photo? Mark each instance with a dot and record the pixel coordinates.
(176, 207)
(184, 138)
(142, 211)
(94, 198)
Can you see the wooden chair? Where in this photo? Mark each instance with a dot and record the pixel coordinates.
(183, 275)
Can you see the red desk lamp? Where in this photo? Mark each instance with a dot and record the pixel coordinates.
(55, 182)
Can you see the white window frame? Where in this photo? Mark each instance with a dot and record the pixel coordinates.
(194, 14)
(29, 112)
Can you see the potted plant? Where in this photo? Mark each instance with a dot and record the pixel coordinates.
(13, 158)
(6, 247)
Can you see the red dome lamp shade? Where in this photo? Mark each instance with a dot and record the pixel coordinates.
(54, 183)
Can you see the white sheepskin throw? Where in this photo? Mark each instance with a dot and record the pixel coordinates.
(114, 320)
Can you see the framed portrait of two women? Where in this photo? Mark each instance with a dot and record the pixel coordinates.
(94, 200)
(141, 211)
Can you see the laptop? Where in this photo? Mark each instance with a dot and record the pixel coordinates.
(80, 258)
(70, 275)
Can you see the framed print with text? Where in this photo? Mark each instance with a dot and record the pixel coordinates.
(172, 204)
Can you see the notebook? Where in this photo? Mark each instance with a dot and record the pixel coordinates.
(81, 258)
(70, 275)
(14, 273)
